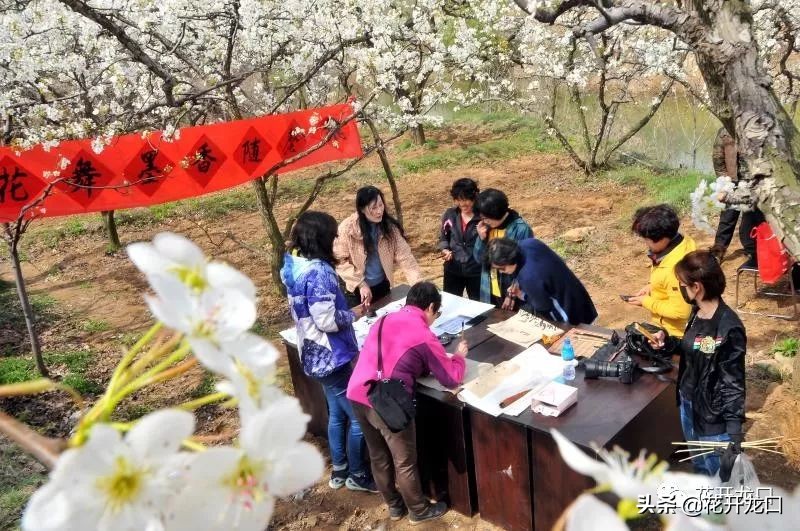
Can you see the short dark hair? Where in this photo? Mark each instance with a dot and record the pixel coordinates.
(702, 267)
(423, 294)
(313, 234)
(656, 222)
(502, 251)
(464, 188)
(492, 204)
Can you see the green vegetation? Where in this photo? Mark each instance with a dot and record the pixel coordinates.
(206, 387)
(788, 347)
(95, 326)
(20, 475)
(671, 187)
(72, 364)
(567, 249)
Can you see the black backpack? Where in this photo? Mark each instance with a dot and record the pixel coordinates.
(389, 397)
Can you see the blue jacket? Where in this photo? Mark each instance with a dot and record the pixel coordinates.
(514, 228)
(325, 336)
(550, 288)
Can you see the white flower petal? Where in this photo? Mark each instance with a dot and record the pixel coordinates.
(222, 275)
(145, 257)
(232, 312)
(48, 509)
(252, 350)
(278, 427)
(212, 357)
(179, 249)
(160, 434)
(579, 461)
(587, 513)
(298, 468)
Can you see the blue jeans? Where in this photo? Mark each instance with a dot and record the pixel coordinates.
(347, 445)
(705, 464)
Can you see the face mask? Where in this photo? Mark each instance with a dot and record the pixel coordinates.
(685, 296)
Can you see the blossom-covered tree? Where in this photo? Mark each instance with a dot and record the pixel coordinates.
(722, 37)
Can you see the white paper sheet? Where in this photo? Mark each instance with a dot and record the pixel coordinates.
(535, 367)
(472, 370)
(289, 335)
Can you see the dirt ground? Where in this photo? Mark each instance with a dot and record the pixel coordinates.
(545, 189)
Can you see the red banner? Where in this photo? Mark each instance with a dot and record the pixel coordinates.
(144, 169)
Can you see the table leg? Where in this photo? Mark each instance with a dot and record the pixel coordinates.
(502, 471)
(444, 454)
(310, 394)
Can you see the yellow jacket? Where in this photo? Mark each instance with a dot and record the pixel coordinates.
(665, 301)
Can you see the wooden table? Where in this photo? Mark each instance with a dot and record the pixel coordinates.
(509, 468)
(522, 482)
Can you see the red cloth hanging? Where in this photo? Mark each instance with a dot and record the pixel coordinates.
(773, 258)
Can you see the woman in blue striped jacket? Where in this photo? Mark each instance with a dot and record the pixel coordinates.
(326, 340)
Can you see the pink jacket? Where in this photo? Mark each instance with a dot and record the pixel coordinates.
(349, 250)
(410, 350)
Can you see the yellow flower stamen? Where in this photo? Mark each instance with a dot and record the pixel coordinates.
(123, 485)
(191, 277)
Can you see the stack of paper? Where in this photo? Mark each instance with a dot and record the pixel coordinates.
(529, 370)
(473, 370)
(524, 329)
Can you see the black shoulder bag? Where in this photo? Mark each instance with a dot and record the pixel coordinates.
(389, 397)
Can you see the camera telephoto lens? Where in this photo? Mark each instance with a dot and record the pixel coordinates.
(600, 369)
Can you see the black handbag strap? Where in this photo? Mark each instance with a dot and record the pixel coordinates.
(380, 355)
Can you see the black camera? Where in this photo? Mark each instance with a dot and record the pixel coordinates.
(624, 370)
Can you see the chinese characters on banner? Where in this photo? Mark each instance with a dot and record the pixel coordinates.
(140, 170)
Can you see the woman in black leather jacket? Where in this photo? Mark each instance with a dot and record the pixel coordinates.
(711, 378)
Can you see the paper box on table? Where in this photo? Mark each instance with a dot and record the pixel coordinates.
(553, 399)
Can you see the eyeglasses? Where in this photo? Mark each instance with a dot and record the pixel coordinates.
(437, 314)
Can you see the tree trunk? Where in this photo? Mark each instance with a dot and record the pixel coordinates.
(275, 236)
(418, 135)
(387, 169)
(766, 137)
(110, 226)
(27, 311)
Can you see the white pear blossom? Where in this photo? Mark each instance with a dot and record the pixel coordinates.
(251, 378)
(111, 483)
(706, 201)
(235, 488)
(175, 255)
(209, 320)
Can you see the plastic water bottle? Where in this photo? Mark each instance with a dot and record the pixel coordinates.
(568, 355)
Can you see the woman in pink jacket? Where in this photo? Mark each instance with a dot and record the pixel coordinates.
(409, 350)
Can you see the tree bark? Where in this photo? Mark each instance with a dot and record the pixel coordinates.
(720, 33)
(387, 169)
(110, 225)
(27, 311)
(418, 135)
(277, 244)
(741, 90)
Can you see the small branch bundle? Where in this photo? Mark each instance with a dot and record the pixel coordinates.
(700, 448)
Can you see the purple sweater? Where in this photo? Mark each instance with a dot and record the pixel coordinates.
(410, 350)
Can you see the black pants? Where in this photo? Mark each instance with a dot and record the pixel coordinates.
(456, 284)
(727, 226)
(379, 291)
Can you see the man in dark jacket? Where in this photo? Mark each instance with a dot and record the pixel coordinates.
(544, 283)
(725, 159)
(457, 237)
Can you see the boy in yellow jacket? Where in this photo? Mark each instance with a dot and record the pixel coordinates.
(658, 227)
